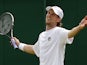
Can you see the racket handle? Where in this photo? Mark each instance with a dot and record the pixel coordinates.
(13, 43)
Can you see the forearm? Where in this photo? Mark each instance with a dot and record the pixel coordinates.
(29, 49)
(75, 31)
(26, 48)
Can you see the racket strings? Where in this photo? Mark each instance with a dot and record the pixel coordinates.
(5, 24)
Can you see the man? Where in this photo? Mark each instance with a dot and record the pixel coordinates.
(50, 47)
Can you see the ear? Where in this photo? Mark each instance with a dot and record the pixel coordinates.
(58, 19)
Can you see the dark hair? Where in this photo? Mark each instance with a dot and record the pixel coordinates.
(59, 24)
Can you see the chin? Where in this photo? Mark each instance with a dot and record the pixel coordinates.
(47, 23)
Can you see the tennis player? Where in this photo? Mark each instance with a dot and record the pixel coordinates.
(51, 43)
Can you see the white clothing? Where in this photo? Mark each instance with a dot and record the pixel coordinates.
(50, 47)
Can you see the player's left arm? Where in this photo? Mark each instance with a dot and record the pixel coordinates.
(78, 28)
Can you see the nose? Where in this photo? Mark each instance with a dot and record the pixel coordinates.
(48, 15)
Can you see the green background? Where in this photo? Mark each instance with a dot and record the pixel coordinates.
(30, 21)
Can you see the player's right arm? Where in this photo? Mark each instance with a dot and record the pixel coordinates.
(24, 47)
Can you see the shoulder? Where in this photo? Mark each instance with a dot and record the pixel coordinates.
(61, 29)
(54, 30)
(41, 33)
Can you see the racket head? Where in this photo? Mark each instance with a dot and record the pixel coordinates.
(6, 23)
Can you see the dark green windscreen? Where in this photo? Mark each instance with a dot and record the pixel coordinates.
(30, 21)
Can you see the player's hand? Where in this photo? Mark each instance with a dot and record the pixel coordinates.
(16, 41)
(83, 22)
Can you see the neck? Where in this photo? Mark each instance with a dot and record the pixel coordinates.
(48, 27)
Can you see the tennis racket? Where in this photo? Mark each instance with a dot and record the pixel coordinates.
(6, 26)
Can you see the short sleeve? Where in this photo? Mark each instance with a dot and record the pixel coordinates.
(36, 48)
(64, 36)
(70, 40)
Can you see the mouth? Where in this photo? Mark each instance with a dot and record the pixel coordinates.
(49, 18)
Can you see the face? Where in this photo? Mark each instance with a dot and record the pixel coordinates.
(52, 18)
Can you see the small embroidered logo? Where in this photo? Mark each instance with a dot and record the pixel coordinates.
(49, 38)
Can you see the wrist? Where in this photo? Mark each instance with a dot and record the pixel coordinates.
(21, 46)
(81, 26)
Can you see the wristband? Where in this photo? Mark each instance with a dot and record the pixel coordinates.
(21, 46)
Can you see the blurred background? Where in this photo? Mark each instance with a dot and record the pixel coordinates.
(30, 21)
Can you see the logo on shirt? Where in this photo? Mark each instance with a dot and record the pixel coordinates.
(49, 38)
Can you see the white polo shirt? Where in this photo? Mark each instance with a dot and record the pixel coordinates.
(50, 47)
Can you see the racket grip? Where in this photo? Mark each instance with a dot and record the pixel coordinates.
(13, 43)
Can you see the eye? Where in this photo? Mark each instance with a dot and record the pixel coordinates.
(52, 14)
(48, 12)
